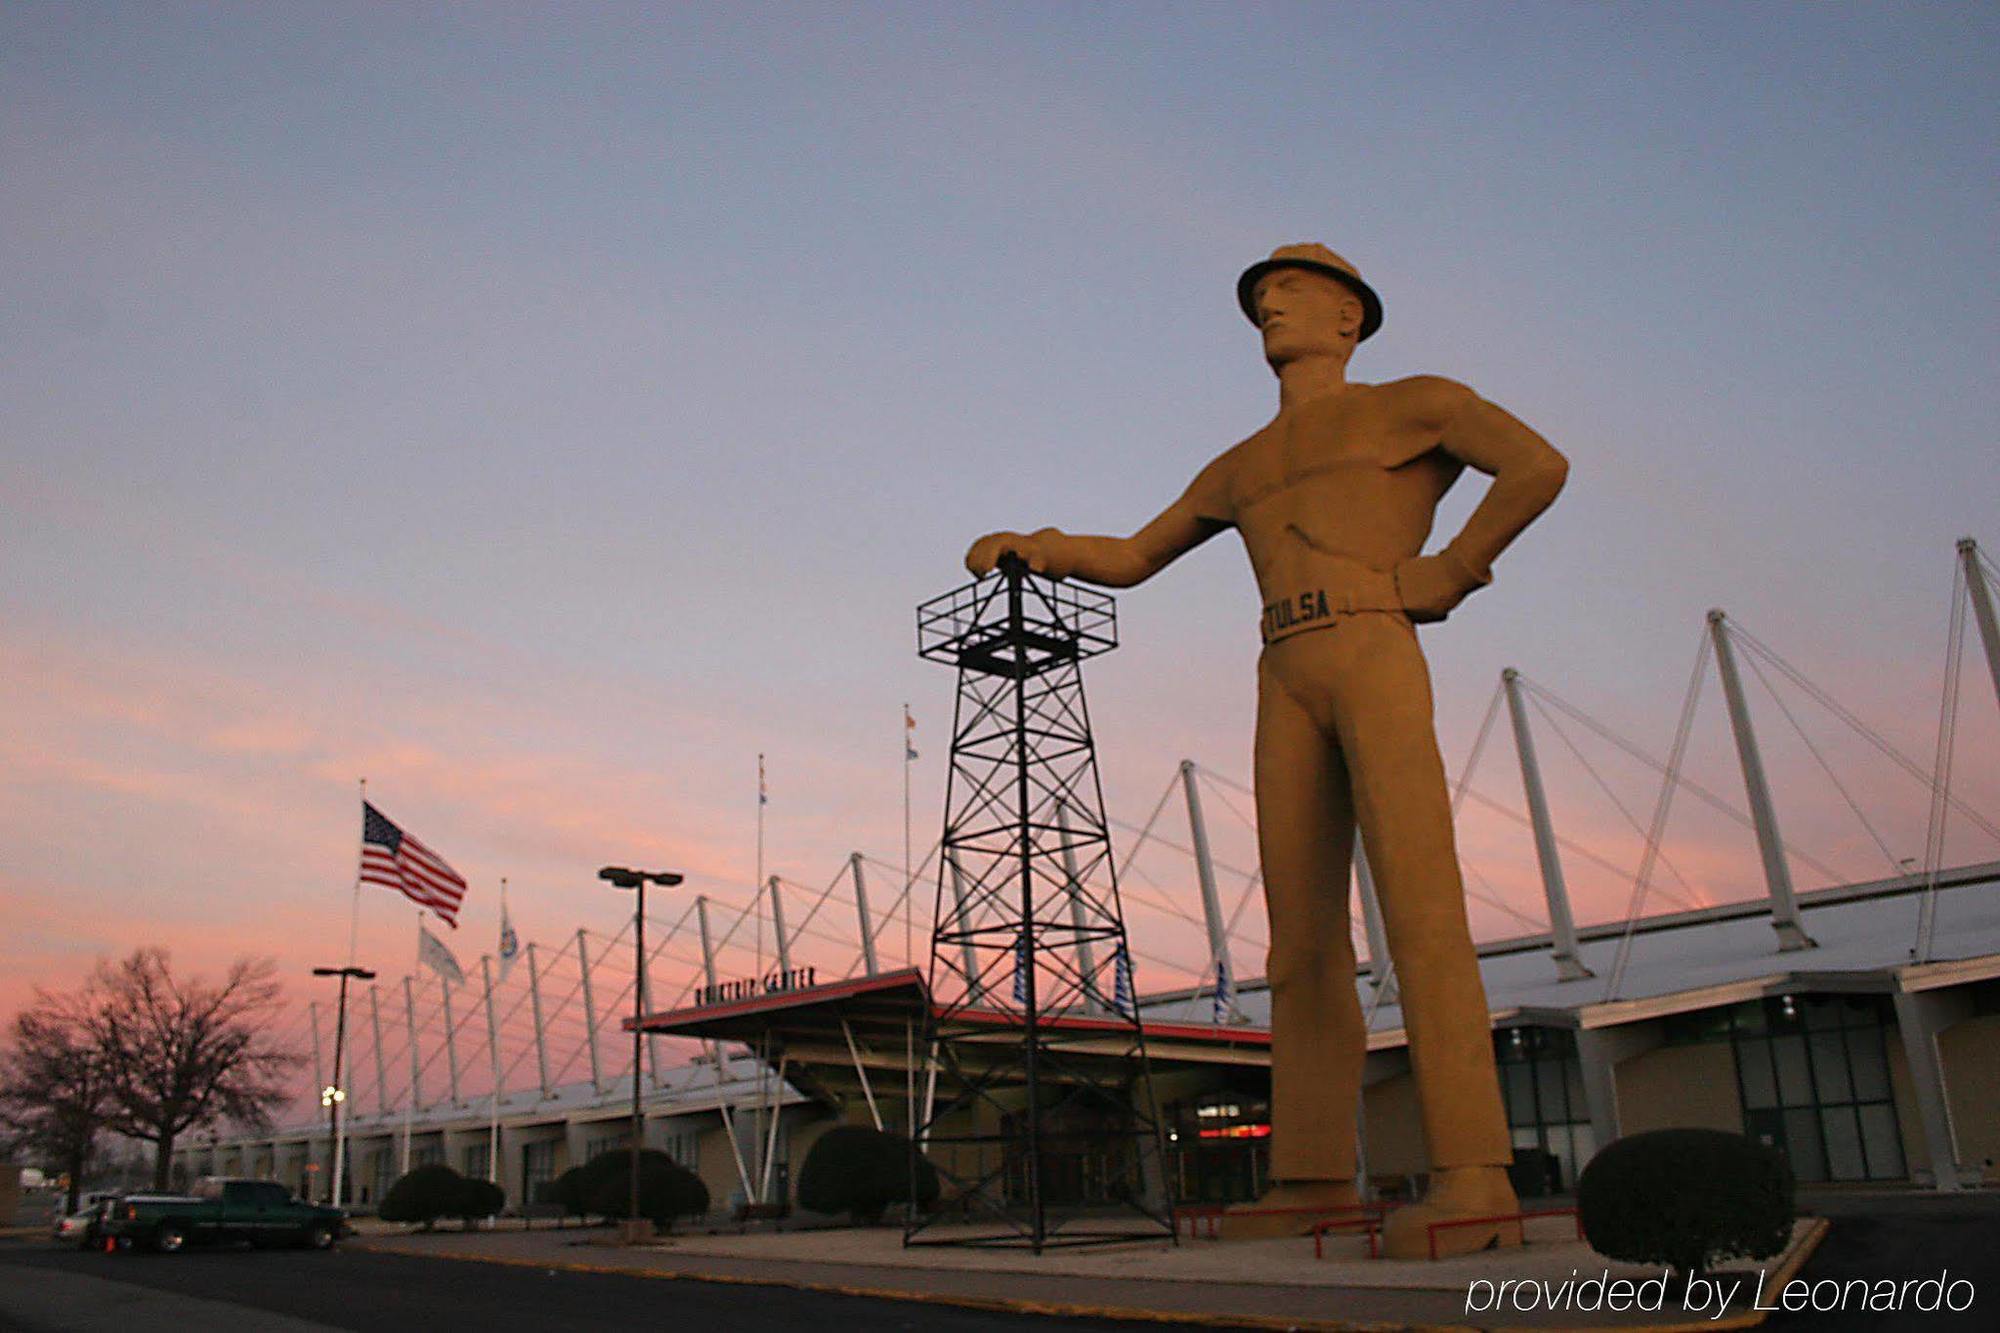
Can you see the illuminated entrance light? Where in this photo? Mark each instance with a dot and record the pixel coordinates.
(1237, 1132)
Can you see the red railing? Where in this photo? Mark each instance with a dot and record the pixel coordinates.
(1434, 1228)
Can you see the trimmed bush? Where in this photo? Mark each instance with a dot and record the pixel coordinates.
(858, 1170)
(476, 1199)
(1688, 1198)
(566, 1191)
(424, 1195)
(667, 1189)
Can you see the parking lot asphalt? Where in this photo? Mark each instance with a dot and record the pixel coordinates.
(46, 1288)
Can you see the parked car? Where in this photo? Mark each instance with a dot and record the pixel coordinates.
(261, 1212)
(84, 1226)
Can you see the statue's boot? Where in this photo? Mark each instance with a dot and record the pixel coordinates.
(1289, 1208)
(1456, 1192)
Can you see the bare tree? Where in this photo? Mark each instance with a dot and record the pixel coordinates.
(55, 1085)
(184, 1055)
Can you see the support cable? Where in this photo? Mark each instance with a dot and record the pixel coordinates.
(1895, 867)
(1659, 828)
(1941, 788)
(1695, 789)
(1923, 776)
(1695, 898)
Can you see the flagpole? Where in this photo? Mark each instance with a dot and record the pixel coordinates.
(410, 1107)
(493, 1040)
(758, 884)
(409, 1122)
(909, 879)
(354, 915)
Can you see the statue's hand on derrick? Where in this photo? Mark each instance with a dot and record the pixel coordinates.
(1045, 551)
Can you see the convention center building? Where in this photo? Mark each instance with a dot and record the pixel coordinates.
(1855, 1028)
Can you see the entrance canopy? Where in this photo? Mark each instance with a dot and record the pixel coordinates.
(830, 1037)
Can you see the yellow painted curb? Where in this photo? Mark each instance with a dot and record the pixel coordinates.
(992, 1303)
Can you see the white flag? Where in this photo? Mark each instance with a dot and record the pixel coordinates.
(431, 953)
(510, 943)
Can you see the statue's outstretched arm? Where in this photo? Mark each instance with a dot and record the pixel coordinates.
(1114, 562)
(1527, 474)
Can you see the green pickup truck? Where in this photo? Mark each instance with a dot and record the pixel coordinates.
(261, 1212)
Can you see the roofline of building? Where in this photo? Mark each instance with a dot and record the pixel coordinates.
(1956, 877)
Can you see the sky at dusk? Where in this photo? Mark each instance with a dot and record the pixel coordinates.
(541, 411)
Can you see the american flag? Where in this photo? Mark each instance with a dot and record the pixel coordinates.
(395, 860)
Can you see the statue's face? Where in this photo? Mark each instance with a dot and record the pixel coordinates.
(1303, 313)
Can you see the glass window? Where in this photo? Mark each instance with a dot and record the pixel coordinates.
(1549, 1092)
(1760, 1088)
(1802, 1144)
(1829, 1067)
(1565, 1155)
(1520, 1085)
(1584, 1143)
(1843, 1144)
(1870, 1069)
(1794, 1082)
(1882, 1143)
(538, 1166)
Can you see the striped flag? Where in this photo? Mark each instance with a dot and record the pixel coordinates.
(395, 860)
(1225, 993)
(909, 735)
(763, 791)
(1121, 985)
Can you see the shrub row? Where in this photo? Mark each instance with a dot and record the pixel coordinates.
(602, 1187)
(431, 1192)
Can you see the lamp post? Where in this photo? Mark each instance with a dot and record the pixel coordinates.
(622, 878)
(333, 1095)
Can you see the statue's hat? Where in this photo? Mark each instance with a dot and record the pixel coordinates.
(1315, 258)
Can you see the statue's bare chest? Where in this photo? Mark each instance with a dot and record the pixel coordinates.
(1314, 446)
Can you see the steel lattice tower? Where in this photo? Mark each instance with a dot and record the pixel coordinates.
(1044, 1129)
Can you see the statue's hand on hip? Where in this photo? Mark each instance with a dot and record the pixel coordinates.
(1431, 586)
(1045, 552)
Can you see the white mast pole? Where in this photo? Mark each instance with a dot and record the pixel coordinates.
(589, 1013)
(868, 961)
(1982, 608)
(1777, 874)
(1211, 900)
(493, 1050)
(416, 1070)
(784, 945)
(1562, 926)
(541, 1035)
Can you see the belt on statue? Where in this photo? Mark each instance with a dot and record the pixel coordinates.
(1315, 608)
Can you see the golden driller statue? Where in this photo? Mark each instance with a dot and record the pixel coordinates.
(1334, 499)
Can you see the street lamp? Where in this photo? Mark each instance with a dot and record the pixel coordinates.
(622, 878)
(333, 1095)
